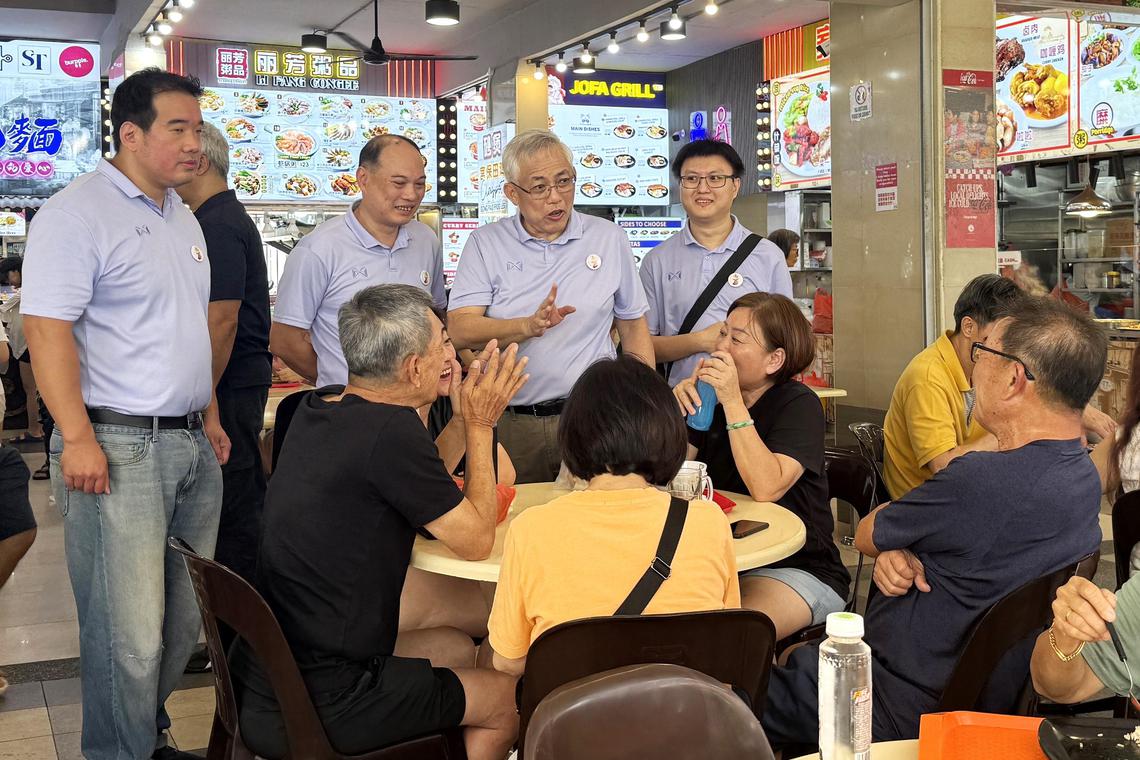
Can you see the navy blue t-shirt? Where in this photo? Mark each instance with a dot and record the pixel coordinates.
(983, 527)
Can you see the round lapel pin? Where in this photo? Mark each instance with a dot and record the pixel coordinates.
(593, 261)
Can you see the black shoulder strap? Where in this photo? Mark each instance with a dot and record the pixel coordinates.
(659, 569)
(710, 292)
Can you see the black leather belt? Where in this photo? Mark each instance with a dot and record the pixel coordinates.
(543, 409)
(190, 421)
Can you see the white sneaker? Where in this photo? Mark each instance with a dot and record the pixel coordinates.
(51, 498)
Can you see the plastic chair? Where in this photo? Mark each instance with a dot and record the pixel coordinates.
(224, 596)
(619, 714)
(1125, 532)
(285, 411)
(871, 446)
(730, 646)
(1022, 614)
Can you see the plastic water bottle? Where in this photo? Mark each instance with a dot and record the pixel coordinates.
(702, 420)
(844, 690)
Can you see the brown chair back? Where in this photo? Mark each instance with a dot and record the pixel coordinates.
(620, 714)
(1022, 614)
(285, 411)
(225, 596)
(731, 646)
(1125, 532)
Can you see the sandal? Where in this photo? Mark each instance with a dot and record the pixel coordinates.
(27, 438)
(43, 473)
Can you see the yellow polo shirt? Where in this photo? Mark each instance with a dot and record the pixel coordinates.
(927, 416)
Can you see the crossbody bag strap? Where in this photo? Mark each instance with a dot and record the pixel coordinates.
(701, 305)
(660, 568)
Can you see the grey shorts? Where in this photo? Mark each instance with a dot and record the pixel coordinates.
(819, 597)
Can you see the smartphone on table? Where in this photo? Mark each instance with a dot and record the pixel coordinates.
(745, 528)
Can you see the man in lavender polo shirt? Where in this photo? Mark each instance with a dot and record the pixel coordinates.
(514, 274)
(378, 241)
(676, 272)
(115, 298)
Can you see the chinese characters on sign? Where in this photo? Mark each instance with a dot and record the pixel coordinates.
(284, 68)
(493, 203)
(233, 65)
(32, 136)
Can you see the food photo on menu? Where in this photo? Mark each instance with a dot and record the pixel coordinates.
(1110, 81)
(301, 146)
(1034, 85)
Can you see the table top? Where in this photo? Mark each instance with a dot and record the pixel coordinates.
(784, 536)
(904, 750)
(829, 392)
(276, 395)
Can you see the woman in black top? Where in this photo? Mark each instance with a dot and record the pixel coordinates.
(767, 440)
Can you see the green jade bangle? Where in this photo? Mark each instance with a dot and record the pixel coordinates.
(739, 425)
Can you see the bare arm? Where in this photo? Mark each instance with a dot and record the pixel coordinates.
(507, 665)
(635, 340)
(4, 353)
(223, 317)
(1102, 459)
(864, 534)
(1079, 614)
(295, 348)
(986, 443)
(671, 348)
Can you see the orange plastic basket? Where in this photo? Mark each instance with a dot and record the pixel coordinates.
(978, 736)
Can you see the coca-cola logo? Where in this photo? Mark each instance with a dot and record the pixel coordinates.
(969, 77)
(76, 61)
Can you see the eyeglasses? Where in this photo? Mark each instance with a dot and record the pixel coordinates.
(976, 347)
(714, 181)
(541, 190)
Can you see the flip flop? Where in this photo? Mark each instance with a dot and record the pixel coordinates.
(43, 473)
(25, 438)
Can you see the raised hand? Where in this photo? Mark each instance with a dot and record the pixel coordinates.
(491, 384)
(548, 315)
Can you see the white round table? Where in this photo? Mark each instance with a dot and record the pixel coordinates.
(784, 536)
(903, 750)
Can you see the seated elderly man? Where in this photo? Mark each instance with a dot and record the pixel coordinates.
(978, 530)
(1075, 659)
(357, 476)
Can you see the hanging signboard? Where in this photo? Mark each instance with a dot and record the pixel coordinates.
(647, 232)
(801, 131)
(455, 231)
(493, 203)
(472, 118)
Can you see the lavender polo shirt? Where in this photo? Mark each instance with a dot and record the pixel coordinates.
(676, 272)
(337, 260)
(135, 281)
(510, 272)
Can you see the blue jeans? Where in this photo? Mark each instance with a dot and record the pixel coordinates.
(138, 619)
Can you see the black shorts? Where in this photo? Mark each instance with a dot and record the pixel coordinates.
(15, 509)
(401, 699)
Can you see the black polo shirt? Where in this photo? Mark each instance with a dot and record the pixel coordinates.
(238, 273)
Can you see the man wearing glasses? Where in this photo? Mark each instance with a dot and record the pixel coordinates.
(678, 271)
(378, 241)
(554, 281)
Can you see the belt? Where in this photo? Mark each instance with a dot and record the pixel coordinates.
(190, 421)
(542, 409)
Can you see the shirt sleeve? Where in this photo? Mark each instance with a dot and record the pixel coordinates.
(946, 514)
(629, 300)
(472, 283)
(649, 284)
(781, 279)
(226, 250)
(304, 282)
(408, 473)
(62, 263)
(438, 292)
(799, 431)
(509, 627)
(928, 411)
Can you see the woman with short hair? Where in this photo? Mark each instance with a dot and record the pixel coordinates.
(789, 244)
(767, 440)
(581, 555)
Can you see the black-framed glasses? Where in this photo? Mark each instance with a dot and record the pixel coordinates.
(976, 347)
(541, 190)
(714, 181)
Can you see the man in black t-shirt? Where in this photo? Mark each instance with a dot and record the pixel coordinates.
(978, 530)
(357, 476)
(239, 337)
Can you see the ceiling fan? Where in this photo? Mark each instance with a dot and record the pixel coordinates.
(375, 54)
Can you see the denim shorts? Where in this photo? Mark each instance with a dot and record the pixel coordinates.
(820, 598)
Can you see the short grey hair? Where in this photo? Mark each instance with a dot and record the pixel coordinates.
(525, 146)
(216, 149)
(381, 326)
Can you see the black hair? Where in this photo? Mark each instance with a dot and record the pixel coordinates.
(11, 264)
(785, 240)
(702, 148)
(621, 418)
(986, 299)
(370, 153)
(134, 98)
(1064, 349)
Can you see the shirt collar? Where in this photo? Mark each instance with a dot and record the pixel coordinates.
(131, 190)
(949, 357)
(222, 198)
(573, 230)
(365, 237)
(732, 242)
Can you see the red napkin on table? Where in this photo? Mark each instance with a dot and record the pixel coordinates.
(505, 494)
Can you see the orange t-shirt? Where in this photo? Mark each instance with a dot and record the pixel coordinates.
(580, 555)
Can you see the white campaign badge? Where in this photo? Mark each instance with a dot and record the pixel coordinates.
(593, 261)
(425, 278)
(735, 279)
(197, 253)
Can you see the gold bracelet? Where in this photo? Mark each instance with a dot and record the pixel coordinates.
(1061, 655)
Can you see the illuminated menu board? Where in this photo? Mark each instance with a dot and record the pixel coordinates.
(304, 146)
(472, 118)
(801, 131)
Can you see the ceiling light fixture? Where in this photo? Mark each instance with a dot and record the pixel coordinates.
(582, 66)
(317, 42)
(173, 12)
(711, 8)
(586, 57)
(442, 12)
(613, 47)
(162, 24)
(153, 38)
(1088, 204)
(675, 21)
(642, 33)
(186, 3)
(670, 33)
(560, 67)
(538, 72)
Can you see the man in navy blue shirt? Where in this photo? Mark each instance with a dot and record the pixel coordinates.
(978, 530)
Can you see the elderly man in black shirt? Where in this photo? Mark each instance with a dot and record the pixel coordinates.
(357, 476)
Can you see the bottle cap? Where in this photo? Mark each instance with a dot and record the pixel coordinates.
(845, 625)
